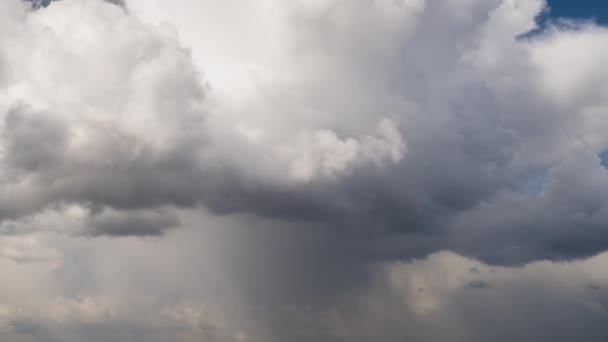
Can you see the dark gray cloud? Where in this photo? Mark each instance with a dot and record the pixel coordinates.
(24, 327)
(215, 283)
(478, 285)
(132, 223)
(519, 303)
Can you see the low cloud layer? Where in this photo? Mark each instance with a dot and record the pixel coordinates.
(206, 285)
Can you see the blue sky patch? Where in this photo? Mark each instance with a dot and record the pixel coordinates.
(596, 10)
(571, 10)
(604, 159)
(534, 182)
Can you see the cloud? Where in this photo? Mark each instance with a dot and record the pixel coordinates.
(220, 282)
(28, 249)
(478, 285)
(307, 149)
(77, 115)
(410, 300)
(399, 131)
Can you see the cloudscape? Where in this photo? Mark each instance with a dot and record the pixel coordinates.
(303, 170)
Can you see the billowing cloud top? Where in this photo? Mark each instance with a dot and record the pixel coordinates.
(423, 125)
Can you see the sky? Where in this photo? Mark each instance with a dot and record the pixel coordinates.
(303, 170)
(583, 9)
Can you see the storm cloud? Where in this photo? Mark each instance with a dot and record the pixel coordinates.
(316, 164)
(368, 117)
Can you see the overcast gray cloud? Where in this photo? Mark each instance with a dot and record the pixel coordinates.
(263, 171)
(213, 284)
